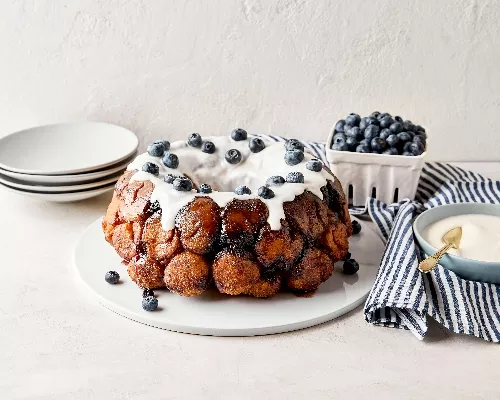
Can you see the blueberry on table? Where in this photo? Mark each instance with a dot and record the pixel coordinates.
(239, 134)
(151, 168)
(339, 126)
(170, 160)
(233, 156)
(351, 143)
(350, 267)
(148, 293)
(404, 137)
(156, 149)
(204, 188)
(149, 303)
(353, 120)
(208, 147)
(112, 277)
(356, 227)
(294, 144)
(396, 127)
(314, 165)
(295, 177)
(195, 140)
(385, 133)
(242, 189)
(386, 122)
(256, 145)
(347, 256)
(294, 157)
(265, 192)
(363, 149)
(391, 151)
(371, 132)
(169, 178)
(378, 144)
(183, 184)
(275, 181)
(340, 147)
(392, 140)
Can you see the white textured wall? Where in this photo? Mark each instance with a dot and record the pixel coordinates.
(166, 68)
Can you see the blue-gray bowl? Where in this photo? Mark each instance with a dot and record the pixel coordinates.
(473, 270)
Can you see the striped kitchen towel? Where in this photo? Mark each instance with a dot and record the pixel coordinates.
(402, 296)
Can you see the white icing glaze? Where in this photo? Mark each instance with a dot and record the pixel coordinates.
(253, 171)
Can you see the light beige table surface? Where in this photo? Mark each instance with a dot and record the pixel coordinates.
(56, 343)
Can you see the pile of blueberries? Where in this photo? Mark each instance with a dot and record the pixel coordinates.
(379, 133)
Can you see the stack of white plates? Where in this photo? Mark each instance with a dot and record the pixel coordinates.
(65, 162)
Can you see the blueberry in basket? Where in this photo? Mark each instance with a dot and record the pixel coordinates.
(379, 133)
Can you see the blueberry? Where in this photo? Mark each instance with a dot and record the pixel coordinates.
(294, 144)
(396, 127)
(194, 140)
(233, 156)
(365, 142)
(294, 157)
(148, 293)
(156, 149)
(420, 139)
(347, 256)
(205, 188)
(416, 148)
(378, 144)
(169, 178)
(275, 181)
(154, 207)
(412, 134)
(112, 277)
(339, 126)
(170, 160)
(392, 140)
(166, 144)
(242, 189)
(406, 147)
(149, 303)
(351, 267)
(381, 116)
(371, 121)
(391, 151)
(339, 138)
(354, 132)
(340, 147)
(151, 168)
(295, 177)
(362, 149)
(397, 118)
(386, 122)
(265, 192)
(208, 147)
(404, 137)
(256, 145)
(408, 126)
(351, 143)
(375, 114)
(419, 128)
(371, 132)
(356, 227)
(314, 165)
(385, 133)
(408, 154)
(353, 120)
(363, 124)
(183, 184)
(239, 134)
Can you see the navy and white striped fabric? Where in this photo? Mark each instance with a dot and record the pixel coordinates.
(402, 297)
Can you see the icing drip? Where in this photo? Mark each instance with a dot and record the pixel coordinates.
(253, 171)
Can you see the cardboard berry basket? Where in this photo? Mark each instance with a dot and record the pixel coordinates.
(385, 177)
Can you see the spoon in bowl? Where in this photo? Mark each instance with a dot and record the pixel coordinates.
(451, 239)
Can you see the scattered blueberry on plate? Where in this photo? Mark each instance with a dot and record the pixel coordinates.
(350, 267)
(347, 257)
(379, 133)
(149, 303)
(112, 277)
(356, 227)
(148, 293)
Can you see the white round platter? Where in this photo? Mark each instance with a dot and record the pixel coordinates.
(67, 197)
(38, 188)
(216, 314)
(69, 179)
(66, 148)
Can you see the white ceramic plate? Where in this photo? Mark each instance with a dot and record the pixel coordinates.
(69, 179)
(38, 188)
(62, 197)
(67, 148)
(220, 315)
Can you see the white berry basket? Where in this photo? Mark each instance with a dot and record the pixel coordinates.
(385, 177)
